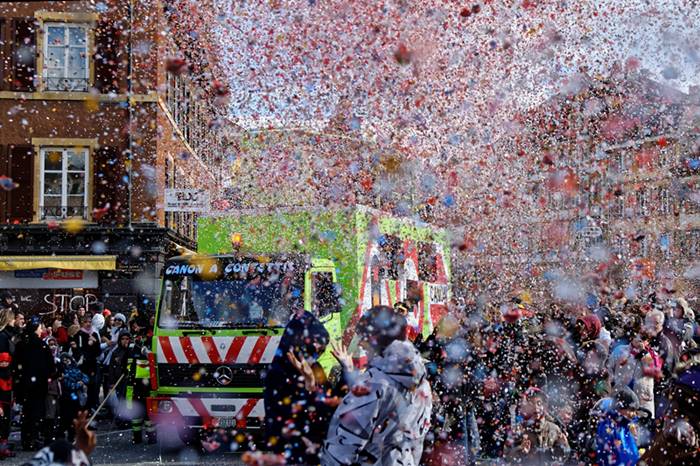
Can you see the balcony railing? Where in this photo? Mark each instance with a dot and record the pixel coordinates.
(67, 84)
(63, 212)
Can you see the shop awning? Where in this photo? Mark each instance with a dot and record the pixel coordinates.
(58, 262)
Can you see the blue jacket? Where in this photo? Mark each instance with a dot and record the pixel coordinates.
(72, 376)
(615, 444)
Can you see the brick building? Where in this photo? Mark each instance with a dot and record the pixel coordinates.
(599, 190)
(104, 105)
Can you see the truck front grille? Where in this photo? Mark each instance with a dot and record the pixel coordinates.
(204, 375)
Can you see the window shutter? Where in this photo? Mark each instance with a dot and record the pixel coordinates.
(5, 55)
(4, 171)
(110, 195)
(24, 54)
(20, 203)
(106, 59)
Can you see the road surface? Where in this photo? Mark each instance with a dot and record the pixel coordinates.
(114, 448)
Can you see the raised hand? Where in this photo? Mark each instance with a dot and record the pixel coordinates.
(85, 439)
(340, 353)
(311, 447)
(304, 368)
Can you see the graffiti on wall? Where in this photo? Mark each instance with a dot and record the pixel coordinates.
(60, 301)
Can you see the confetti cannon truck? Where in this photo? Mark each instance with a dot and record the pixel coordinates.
(222, 312)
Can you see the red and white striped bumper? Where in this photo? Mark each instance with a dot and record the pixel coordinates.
(216, 350)
(207, 412)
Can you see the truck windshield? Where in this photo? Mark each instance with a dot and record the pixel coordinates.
(253, 297)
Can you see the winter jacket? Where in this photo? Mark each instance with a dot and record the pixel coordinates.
(664, 349)
(385, 417)
(118, 363)
(85, 353)
(547, 443)
(73, 380)
(291, 411)
(635, 369)
(8, 340)
(35, 366)
(61, 335)
(74, 384)
(615, 444)
(5, 388)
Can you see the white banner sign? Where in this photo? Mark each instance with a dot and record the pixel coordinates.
(186, 200)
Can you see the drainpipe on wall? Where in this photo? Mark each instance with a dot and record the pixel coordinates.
(130, 90)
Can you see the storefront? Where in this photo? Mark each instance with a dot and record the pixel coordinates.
(44, 271)
(48, 284)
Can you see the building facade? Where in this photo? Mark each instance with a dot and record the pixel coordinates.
(599, 195)
(104, 106)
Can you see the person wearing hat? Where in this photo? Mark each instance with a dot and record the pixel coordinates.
(118, 325)
(73, 393)
(118, 363)
(35, 365)
(616, 442)
(295, 391)
(386, 416)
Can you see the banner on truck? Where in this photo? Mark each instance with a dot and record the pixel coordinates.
(186, 200)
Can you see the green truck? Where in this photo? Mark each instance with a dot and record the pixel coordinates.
(222, 312)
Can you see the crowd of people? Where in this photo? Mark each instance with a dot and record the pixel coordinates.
(613, 384)
(55, 368)
(566, 384)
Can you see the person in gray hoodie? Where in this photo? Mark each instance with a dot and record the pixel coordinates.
(386, 416)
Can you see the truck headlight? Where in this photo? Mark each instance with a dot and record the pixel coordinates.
(165, 406)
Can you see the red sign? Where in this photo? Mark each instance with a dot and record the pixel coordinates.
(60, 274)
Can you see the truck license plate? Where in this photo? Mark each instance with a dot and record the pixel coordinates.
(227, 422)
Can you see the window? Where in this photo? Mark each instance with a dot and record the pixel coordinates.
(23, 54)
(665, 244)
(427, 262)
(325, 297)
(691, 205)
(664, 201)
(169, 183)
(392, 257)
(64, 175)
(692, 245)
(66, 57)
(641, 201)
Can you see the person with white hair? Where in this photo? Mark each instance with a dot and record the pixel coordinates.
(653, 331)
(680, 325)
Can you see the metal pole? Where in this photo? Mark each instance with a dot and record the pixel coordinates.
(114, 387)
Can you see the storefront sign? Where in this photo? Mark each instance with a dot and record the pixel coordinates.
(50, 274)
(48, 278)
(186, 200)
